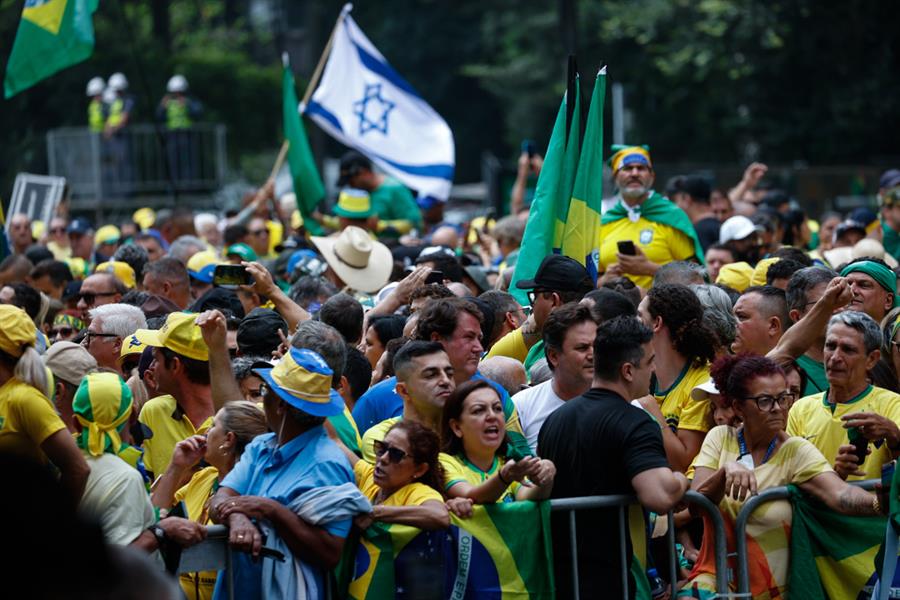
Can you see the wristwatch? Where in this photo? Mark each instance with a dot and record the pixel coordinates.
(159, 533)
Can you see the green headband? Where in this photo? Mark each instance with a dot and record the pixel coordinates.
(881, 274)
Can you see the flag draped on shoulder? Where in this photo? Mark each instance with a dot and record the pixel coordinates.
(832, 555)
(52, 35)
(503, 551)
(308, 186)
(362, 102)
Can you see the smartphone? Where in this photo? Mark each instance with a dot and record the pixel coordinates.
(231, 276)
(529, 148)
(860, 444)
(435, 277)
(626, 247)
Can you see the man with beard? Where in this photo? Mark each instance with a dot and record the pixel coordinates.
(659, 231)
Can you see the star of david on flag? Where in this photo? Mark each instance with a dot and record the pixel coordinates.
(362, 102)
(373, 105)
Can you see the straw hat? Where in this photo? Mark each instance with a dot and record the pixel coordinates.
(361, 262)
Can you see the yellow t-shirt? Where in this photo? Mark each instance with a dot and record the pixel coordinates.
(512, 345)
(196, 494)
(375, 433)
(458, 469)
(27, 419)
(795, 461)
(412, 494)
(818, 421)
(168, 425)
(679, 408)
(660, 243)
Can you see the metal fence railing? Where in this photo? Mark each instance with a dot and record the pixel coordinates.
(141, 159)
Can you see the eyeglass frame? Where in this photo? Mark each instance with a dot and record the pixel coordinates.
(93, 295)
(381, 448)
(788, 398)
(89, 334)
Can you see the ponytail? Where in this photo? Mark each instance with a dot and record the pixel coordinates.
(30, 369)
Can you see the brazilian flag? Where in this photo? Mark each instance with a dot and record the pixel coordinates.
(53, 35)
(503, 552)
(832, 555)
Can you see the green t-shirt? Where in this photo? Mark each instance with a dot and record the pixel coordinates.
(394, 202)
(816, 381)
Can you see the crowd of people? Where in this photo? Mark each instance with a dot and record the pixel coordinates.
(386, 372)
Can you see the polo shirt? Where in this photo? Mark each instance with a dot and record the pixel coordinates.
(166, 424)
(660, 243)
(816, 419)
(458, 469)
(309, 461)
(115, 497)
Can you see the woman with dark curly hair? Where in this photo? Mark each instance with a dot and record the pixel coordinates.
(684, 346)
(404, 485)
(737, 462)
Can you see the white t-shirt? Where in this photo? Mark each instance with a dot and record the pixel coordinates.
(115, 497)
(534, 405)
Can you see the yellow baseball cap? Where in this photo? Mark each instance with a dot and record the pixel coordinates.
(296, 219)
(144, 217)
(761, 270)
(122, 271)
(202, 264)
(131, 345)
(108, 234)
(736, 275)
(303, 380)
(17, 330)
(180, 334)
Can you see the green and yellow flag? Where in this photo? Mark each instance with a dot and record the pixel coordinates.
(832, 555)
(502, 552)
(53, 35)
(308, 186)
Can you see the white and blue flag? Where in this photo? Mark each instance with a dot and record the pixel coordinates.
(364, 103)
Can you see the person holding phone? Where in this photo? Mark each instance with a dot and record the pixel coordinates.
(529, 167)
(659, 231)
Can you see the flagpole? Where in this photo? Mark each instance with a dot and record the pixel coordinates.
(317, 74)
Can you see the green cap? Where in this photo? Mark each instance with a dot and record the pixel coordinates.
(243, 250)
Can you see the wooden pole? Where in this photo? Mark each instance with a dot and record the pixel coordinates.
(317, 74)
(280, 160)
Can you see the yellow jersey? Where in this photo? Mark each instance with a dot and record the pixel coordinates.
(458, 469)
(167, 426)
(660, 243)
(195, 495)
(816, 419)
(27, 419)
(412, 494)
(375, 433)
(680, 410)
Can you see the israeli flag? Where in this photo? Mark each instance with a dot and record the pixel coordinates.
(364, 103)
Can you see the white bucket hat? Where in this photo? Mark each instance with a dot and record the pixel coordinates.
(361, 262)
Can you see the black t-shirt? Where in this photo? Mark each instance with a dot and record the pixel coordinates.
(707, 231)
(598, 442)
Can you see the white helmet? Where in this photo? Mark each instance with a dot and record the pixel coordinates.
(177, 84)
(118, 82)
(109, 95)
(95, 86)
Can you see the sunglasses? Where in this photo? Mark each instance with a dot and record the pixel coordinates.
(394, 455)
(533, 294)
(91, 297)
(62, 331)
(58, 230)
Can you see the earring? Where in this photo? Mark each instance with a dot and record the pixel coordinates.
(222, 448)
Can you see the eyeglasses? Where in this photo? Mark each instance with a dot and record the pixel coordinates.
(90, 334)
(91, 297)
(57, 230)
(533, 294)
(766, 403)
(259, 232)
(395, 455)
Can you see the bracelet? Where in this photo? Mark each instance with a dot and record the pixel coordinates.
(500, 477)
(876, 505)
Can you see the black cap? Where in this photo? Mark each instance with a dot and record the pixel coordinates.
(219, 299)
(694, 186)
(559, 273)
(849, 225)
(257, 335)
(889, 179)
(80, 226)
(351, 164)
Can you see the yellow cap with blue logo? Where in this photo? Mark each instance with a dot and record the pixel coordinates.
(180, 334)
(303, 380)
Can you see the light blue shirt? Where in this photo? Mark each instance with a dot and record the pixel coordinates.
(309, 461)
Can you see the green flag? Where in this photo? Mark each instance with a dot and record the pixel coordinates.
(580, 237)
(308, 186)
(551, 197)
(53, 35)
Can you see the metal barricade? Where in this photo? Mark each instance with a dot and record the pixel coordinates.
(740, 528)
(212, 554)
(622, 502)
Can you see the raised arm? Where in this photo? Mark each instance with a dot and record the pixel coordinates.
(264, 285)
(223, 385)
(799, 337)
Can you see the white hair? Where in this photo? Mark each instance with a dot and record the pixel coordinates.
(185, 247)
(119, 319)
(204, 220)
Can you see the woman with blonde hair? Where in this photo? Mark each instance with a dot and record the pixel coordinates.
(234, 426)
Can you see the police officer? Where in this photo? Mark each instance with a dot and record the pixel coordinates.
(96, 108)
(118, 148)
(179, 112)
